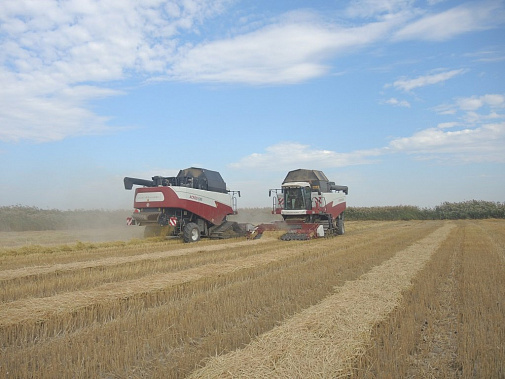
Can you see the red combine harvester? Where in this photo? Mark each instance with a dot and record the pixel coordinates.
(310, 205)
(192, 204)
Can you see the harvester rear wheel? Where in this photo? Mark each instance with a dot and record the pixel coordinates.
(340, 224)
(191, 232)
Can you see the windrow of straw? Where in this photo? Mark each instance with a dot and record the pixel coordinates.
(83, 275)
(451, 324)
(32, 255)
(33, 309)
(323, 340)
(114, 261)
(42, 308)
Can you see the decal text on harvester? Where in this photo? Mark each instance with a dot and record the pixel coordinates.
(197, 198)
(143, 197)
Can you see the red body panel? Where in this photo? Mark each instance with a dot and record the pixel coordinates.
(206, 204)
(333, 210)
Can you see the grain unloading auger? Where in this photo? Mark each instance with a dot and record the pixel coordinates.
(310, 205)
(191, 205)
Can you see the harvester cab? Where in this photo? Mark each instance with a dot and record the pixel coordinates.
(311, 206)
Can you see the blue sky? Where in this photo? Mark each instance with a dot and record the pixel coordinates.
(401, 100)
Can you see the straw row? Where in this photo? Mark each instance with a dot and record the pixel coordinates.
(38, 309)
(451, 324)
(322, 340)
(114, 261)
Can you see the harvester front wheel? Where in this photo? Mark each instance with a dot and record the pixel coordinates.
(340, 224)
(191, 232)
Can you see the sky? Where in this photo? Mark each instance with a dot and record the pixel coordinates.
(403, 101)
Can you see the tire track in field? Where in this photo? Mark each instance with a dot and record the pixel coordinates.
(439, 342)
(322, 340)
(38, 309)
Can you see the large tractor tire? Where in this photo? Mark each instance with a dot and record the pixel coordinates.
(191, 232)
(340, 224)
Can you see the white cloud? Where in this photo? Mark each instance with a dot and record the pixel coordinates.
(482, 144)
(286, 155)
(473, 103)
(472, 138)
(373, 8)
(458, 20)
(397, 103)
(287, 52)
(473, 118)
(57, 56)
(489, 54)
(33, 112)
(426, 80)
(475, 110)
(445, 109)
(447, 125)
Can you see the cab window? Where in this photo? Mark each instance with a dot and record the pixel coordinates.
(297, 198)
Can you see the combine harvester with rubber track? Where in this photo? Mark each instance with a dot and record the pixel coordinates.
(191, 205)
(311, 207)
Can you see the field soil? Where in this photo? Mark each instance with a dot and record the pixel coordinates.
(387, 299)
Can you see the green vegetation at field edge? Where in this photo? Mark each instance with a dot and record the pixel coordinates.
(23, 218)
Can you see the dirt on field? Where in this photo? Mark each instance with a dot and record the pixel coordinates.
(387, 299)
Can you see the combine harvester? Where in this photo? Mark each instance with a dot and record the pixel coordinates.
(191, 205)
(310, 205)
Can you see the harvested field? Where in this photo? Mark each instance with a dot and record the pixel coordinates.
(387, 299)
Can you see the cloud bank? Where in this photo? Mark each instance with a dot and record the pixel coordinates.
(57, 57)
(470, 139)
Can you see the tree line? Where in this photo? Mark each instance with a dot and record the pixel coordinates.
(25, 218)
(472, 209)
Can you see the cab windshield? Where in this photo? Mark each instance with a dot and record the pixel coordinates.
(297, 198)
